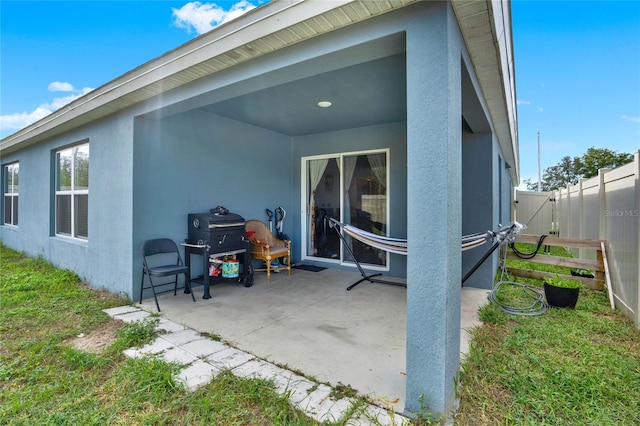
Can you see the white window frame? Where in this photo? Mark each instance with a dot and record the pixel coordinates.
(304, 211)
(10, 191)
(73, 192)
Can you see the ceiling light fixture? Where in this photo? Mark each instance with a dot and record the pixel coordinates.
(324, 104)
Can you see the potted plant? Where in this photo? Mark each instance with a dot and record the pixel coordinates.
(561, 292)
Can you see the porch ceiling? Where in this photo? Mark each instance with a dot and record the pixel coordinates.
(366, 94)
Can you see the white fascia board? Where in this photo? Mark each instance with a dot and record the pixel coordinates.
(486, 30)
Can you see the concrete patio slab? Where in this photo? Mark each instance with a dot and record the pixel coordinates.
(308, 322)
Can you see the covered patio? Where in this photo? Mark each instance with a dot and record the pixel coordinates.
(309, 323)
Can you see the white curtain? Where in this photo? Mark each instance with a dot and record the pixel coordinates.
(316, 171)
(378, 164)
(349, 168)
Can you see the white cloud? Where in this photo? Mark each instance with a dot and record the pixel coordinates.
(203, 17)
(57, 86)
(519, 102)
(540, 109)
(630, 118)
(19, 120)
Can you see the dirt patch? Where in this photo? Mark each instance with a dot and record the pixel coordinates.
(97, 339)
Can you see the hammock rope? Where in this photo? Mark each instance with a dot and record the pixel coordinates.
(506, 234)
(399, 245)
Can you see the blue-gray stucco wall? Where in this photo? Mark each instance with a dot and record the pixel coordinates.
(192, 162)
(479, 203)
(104, 260)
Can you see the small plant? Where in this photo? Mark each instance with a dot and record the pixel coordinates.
(342, 391)
(137, 334)
(556, 281)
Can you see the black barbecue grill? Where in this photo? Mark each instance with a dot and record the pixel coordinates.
(220, 232)
(216, 236)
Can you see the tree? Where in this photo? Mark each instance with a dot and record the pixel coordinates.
(565, 173)
(600, 158)
(570, 170)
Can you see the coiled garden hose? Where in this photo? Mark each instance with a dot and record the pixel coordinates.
(538, 305)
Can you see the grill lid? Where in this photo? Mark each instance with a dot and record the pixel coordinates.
(225, 225)
(209, 221)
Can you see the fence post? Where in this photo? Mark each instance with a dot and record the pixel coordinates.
(581, 216)
(602, 199)
(566, 213)
(560, 211)
(636, 162)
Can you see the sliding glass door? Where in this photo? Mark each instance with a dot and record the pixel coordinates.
(351, 188)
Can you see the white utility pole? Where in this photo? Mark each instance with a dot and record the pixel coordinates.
(539, 175)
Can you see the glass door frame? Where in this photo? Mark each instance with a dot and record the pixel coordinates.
(304, 206)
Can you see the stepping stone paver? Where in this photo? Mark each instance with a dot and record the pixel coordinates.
(229, 358)
(153, 348)
(179, 355)
(197, 374)
(332, 411)
(204, 347)
(311, 404)
(181, 337)
(119, 310)
(133, 316)
(169, 326)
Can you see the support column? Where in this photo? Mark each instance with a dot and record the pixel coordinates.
(433, 210)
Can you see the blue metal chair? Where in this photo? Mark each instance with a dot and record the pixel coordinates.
(155, 255)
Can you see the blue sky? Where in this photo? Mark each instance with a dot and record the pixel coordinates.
(577, 78)
(577, 63)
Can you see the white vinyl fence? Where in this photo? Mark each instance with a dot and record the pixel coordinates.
(536, 211)
(606, 207)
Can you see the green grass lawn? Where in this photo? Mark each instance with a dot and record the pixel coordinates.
(564, 367)
(45, 381)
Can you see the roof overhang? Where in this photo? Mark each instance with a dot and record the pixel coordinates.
(486, 29)
(485, 26)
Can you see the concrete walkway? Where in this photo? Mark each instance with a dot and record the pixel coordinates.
(204, 358)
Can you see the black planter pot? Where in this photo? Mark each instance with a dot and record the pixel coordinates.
(561, 297)
(578, 274)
